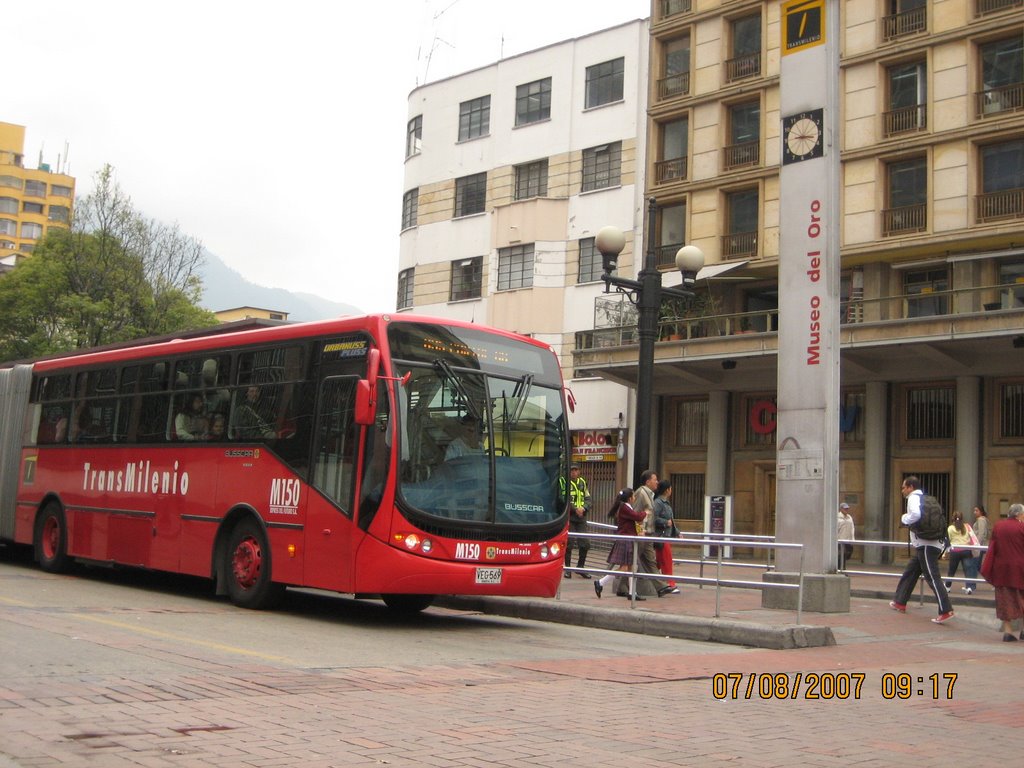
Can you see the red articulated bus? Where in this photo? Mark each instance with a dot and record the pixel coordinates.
(395, 456)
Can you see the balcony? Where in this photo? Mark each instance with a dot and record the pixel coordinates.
(994, 101)
(670, 170)
(744, 155)
(877, 336)
(905, 120)
(669, 8)
(742, 67)
(910, 22)
(905, 220)
(985, 7)
(739, 245)
(674, 85)
(1006, 204)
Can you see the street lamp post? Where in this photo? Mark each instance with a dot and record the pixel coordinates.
(646, 294)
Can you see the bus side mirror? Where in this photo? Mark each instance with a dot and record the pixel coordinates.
(366, 390)
(366, 403)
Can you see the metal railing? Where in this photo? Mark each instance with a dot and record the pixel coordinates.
(852, 311)
(703, 541)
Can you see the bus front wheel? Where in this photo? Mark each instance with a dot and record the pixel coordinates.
(407, 603)
(51, 540)
(247, 568)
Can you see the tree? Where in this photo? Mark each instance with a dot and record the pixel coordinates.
(115, 276)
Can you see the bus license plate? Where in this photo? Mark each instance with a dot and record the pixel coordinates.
(488, 575)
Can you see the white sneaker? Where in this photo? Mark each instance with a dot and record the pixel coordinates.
(969, 590)
(965, 590)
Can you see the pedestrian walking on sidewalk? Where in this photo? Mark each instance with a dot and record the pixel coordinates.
(664, 527)
(983, 530)
(1003, 568)
(627, 521)
(845, 532)
(961, 538)
(925, 562)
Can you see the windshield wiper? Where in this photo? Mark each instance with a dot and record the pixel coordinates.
(521, 391)
(445, 370)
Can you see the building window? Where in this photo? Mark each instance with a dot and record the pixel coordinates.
(31, 230)
(8, 205)
(590, 268)
(925, 290)
(604, 82)
(8, 227)
(533, 101)
(410, 208)
(759, 420)
(11, 181)
(688, 495)
(1002, 76)
(474, 118)
(414, 136)
(671, 233)
(908, 99)
(35, 188)
(532, 180)
(28, 207)
(740, 240)
(467, 279)
(1011, 410)
(602, 166)
(406, 280)
(1002, 181)
(59, 213)
(908, 197)
(904, 17)
(851, 417)
(746, 49)
(676, 81)
(515, 267)
(58, 190)
(689, 423)
(1011, 274)
(930, 413)
(675, 137)
(744, 149)
(470, 194)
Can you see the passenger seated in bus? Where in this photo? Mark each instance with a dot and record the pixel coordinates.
(248, 421)
(192, 424)
(466, 441)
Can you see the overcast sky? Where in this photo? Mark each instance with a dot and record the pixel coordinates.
(273, 132)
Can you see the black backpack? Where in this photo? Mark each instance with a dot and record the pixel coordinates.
(932, 525)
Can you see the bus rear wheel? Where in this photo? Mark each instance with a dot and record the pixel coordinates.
(247, 568)
(407, 603)
(51, 540)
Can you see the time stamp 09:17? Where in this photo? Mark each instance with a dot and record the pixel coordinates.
(829, 685)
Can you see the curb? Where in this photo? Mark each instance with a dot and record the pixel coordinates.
(773, 637)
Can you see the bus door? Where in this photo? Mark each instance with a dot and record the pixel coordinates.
(331, 536)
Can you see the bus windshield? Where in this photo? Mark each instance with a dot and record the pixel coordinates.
(482, 437)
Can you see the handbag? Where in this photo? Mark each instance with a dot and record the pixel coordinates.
(974, 540)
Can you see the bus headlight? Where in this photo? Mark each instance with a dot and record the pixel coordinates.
(426, 546)
(412, 541)
(555, 549)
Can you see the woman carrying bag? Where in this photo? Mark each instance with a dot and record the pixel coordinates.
(961, 538)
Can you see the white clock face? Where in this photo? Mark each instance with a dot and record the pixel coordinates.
(803, 136)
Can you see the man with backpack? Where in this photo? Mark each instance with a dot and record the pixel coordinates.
(927, 524)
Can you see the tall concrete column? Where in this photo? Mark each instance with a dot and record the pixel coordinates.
(876, 458)
(715, 476)
(968, 438)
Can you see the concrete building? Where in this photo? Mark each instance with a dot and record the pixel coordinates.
(510, 171)
(932, 254)
(31, 200)
(248, 313)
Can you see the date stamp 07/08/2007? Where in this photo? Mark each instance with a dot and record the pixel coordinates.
(829, 685)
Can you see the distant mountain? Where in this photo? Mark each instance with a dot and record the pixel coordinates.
(225, 288)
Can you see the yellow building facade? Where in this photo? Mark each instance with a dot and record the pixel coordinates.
(931, 102)
(31, 200)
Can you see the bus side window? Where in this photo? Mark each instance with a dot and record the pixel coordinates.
(336, 441)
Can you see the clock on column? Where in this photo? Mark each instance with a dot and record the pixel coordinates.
(802, 136)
